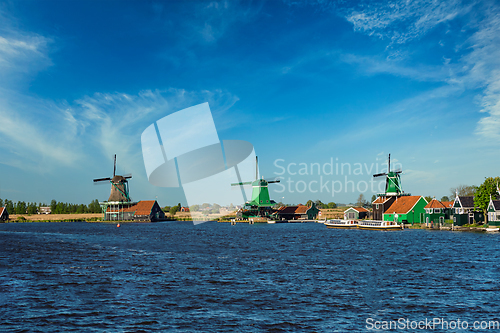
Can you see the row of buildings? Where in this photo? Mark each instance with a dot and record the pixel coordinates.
(415, 209)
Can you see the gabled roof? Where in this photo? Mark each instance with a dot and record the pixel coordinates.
(435, 204)
(403, 205)
(1, 210)
(359, 209)
(466, 202)
(496, 204)
(300, 209)
(380, 200)
(141, 208)
(447, 204)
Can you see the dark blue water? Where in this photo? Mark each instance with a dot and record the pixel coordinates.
(93, 277)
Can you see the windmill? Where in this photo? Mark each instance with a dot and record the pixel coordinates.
(119, 186)
(260, 203)
(392, 181)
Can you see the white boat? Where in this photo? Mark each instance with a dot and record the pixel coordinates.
(378, 225)
(343, 224)
(491, 229)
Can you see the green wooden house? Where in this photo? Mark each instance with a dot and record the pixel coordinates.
(494, 212)
(409, 209)
(464, 211)
(436, 212)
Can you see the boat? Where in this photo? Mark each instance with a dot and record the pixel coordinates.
(344, 224)
(490, 229)
(378, 225)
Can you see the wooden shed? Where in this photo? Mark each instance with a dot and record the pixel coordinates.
(356, 213)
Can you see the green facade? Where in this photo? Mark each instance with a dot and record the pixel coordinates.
(414, 215)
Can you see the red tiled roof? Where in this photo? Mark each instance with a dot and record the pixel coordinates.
(380, 200)
(141, 208)
(360, 209)
(447, 204)
(1, 210)
(435, 204)
(402, 205)
(301, 209)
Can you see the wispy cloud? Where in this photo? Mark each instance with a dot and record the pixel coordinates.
(401, 21)
(478, 68)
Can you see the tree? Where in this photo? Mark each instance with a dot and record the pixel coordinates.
(428, 198)
(361, 200)
(166, 209)
(463, 190)
(1, 203)
(374, 197)
(205, 205)
(332, 205)
(21, 207)
(319, 204)
(485, 191)
(194, 208)
(53, 206)
(309, 203)
(174, 210)
(445, 198)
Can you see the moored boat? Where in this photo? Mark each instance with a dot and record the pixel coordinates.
(378, 225)
(344, 224)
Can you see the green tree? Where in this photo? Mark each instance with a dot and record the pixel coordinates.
(374, 197)
(53, 206)
(485, 191)
(205, 205)
(445, 198)
(309, 203)
(319, 204)
(166, 209)
(10, 206)
(174, 210)
(332, 205)
(1, 203)
(428, 198)
(194, 208)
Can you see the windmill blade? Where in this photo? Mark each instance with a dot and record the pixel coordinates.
(273, 181)
(114, 167)
(243, 183)
(380, 174)
(127, 176)
(398, 171)
(102, 179)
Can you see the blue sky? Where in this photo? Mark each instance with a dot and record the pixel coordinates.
(305, 82)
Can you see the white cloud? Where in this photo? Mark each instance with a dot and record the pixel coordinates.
(384, 20)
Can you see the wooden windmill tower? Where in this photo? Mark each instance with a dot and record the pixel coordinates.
(119, 186)
(260, 204)
(119, 198)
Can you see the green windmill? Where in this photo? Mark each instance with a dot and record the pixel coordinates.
(392, 182)
(260, 204)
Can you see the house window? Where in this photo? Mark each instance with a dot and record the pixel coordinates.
(376, 206)
(437, 210)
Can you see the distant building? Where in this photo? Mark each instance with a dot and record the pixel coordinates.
(299, 212)
(407, 209)
(142, 211)
(185, 209)
(44, 210)
(355, 213)
(4, 214)
(464, 211)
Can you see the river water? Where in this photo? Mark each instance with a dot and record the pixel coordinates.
(95, 277)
